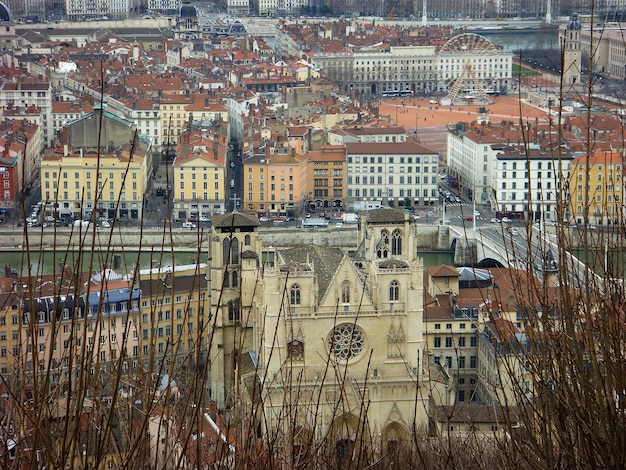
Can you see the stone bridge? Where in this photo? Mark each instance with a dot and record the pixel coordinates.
(471, 251)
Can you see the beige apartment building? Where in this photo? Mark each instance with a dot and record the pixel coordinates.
(80, 179)
(199, 180)
(276, 182)
(174, 118)
(609, 50)
(326, 176)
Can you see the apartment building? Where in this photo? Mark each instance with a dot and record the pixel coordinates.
(199, 175)
(607, 48)
(276, 182)
(326, 175)
(531, 184)
(20, 150)
(9, 331)
(112, 322)
(470, 162)
(238, 7)
(402, 173)
(423, 69)
(596, 191)
(78, 178)
(174, 118)
(24, 94)
(64, 112)
(79, 10)
(343, 135)
(174, 325)
(459, 305)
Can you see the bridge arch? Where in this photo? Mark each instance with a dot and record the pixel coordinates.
(477, 253)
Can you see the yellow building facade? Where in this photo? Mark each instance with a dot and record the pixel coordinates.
(596, 189)
(200, 175)
(88, 184)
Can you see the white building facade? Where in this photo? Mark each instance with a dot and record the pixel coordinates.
(399, 173)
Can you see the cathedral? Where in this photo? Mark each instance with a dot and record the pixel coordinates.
(317, 342)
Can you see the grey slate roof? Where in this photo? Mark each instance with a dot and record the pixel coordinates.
(234, 219)
(325, 260)
(386, 215)
(393, 263)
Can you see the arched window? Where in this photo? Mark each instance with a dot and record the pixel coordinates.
(246, 240)
(345, 292)
(225, 250)
(230, 245)
(396, 242)
(234, 280)
(382, 249)
(235, 251)
(394, 290)
(226, 280)
(294, 295)
(233, 311)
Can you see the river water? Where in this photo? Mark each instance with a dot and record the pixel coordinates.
(48, 262)
(527, 40)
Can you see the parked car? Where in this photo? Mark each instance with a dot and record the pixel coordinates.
(468, 218)
(506, 220)
(495, 220)
(264, 219)
(203, 218)
(189, 225)
(105, 224)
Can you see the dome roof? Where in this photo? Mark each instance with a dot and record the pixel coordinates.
(187, 10)
(393, 264)
(574, 23)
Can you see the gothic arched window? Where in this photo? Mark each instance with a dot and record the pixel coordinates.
(246, 240)
(294, 295)
(233, 311)
(382, 249)
(234, 280)
(234, 251)
(396, 242)
(225, 250)
(394, 291)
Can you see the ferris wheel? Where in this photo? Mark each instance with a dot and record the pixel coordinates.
(468, 46)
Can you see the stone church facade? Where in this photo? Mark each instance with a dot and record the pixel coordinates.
(324, 343)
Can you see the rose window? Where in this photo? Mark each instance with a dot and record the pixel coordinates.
(346, 341)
